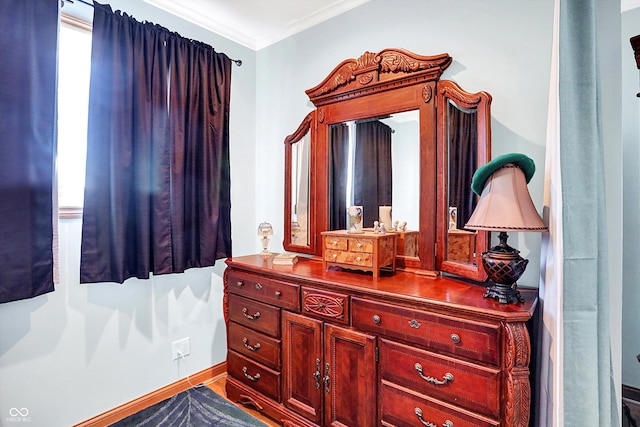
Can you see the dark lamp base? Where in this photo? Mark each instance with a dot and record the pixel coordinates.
(504, 266)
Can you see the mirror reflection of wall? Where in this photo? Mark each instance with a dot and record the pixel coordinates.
(300, 191)
(375, 162)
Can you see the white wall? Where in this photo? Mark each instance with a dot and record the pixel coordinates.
(84, 349)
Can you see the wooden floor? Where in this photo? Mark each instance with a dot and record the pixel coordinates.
(218, 386)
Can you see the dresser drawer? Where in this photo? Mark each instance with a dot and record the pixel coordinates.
(254, 375)
(360, 245)
(351, 258)
(463, 383)
(467, 338)
(399, 406)
(254, 345)
(279, 293)
(255, 315)
(325, 305)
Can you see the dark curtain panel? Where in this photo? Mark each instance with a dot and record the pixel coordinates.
(463, 161)
(372, 180)
(28, 52)
(157, 183)
(338, 176)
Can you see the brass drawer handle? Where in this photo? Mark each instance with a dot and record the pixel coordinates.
(316, 374)
(418, 413)
(277, 294)
(254, 378)
(455, 338)
(327, 379)
(376, 319)
(258, 286)
(250, 347)
(414, 323)
(446, 379)
(239, 284)
(255, 316)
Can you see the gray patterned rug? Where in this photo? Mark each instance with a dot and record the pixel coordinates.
(194, 407)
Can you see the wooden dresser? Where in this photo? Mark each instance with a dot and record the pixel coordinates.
(310, 347)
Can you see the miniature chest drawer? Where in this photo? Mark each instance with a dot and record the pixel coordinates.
(276, 292)
(467, 338)
(254, 345)
(463, 383)
(255, 315)
(402, 407)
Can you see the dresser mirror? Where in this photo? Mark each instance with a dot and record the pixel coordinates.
(399, 92)
(464, 135)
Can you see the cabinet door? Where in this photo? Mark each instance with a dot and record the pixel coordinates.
(350, 364)
(302, 365)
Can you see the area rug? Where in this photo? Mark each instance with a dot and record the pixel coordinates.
(194, 407)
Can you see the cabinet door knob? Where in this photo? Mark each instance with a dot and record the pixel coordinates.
(376, 319)
(455, 338)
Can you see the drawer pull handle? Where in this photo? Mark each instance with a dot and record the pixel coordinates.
(455, 338)
(358, 259)
(334, 256)
(239, 284)
(359, 245)
(254, 378)
(334, 243)
(446, 379)
(376, 319)
(278, 294)
(255, 316)
(250, 347)
(418, 413)
(316, 374)
(414, 323)
(258, 286)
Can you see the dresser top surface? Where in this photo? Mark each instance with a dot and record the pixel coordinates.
(442, 293)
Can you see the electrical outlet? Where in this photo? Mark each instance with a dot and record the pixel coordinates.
(181, 348)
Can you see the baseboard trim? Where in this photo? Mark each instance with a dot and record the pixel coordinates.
(126, 409)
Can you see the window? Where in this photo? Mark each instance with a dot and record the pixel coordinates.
(74, 67)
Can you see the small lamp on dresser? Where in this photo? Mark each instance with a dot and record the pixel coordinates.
(265, 231)
(504, 205)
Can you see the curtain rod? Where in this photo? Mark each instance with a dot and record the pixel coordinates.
(238, 62)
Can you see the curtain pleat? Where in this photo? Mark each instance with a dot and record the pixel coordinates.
(463, 161)
(28, 125)
(157, 183)
(338, 170)
(373, 172)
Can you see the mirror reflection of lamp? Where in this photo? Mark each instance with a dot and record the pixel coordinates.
(504, 205)
(296, 229)
(265, 231)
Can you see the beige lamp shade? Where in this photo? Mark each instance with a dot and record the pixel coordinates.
(505, 204)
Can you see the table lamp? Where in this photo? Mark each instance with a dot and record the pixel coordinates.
(504, 205)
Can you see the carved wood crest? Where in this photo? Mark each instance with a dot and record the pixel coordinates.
(377, 71)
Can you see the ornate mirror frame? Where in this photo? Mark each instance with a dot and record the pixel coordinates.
(377, 84)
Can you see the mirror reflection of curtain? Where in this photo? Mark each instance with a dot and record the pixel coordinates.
(302, 185)
(338, 176)
(372, 180)
(463, 160)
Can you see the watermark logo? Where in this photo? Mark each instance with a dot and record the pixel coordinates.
(19, 415)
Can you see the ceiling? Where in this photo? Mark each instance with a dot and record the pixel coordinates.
(256, 23)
